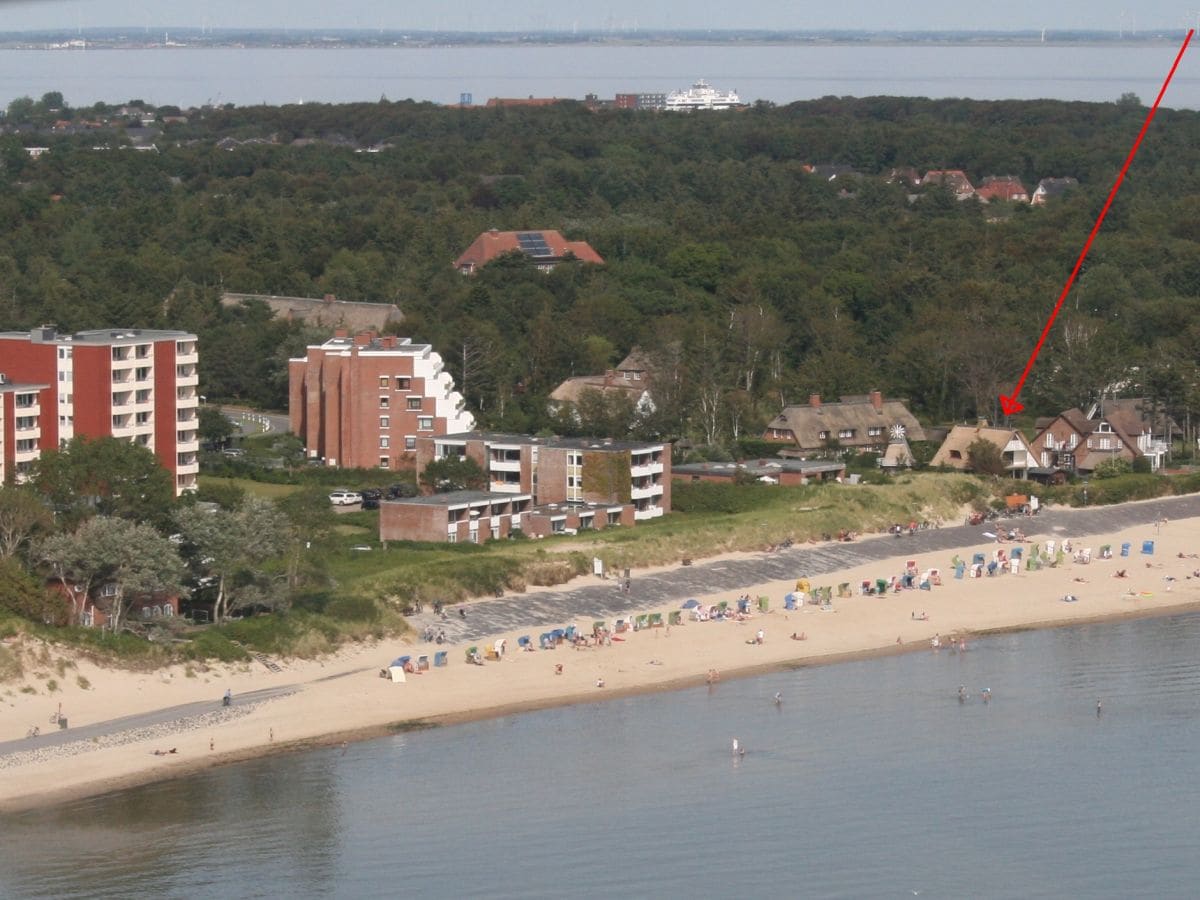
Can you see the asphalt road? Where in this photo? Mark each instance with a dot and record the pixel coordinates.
(53, 736)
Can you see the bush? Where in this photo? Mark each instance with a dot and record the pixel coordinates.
(711, 497)
(1112, 468)
(1141, 465)
(22, 594)
(213, 644)
(354, 608)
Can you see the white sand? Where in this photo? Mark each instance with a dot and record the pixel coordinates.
(342, 697)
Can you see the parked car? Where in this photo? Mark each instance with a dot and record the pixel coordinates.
(343, 497)
(371, 498)
(401, 490)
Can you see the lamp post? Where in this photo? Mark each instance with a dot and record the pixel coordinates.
(1085, 484)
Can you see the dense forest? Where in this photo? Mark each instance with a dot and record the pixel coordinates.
(752, 282)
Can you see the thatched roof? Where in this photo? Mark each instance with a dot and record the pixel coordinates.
(954, 451)
(325, 312)
(857, 414)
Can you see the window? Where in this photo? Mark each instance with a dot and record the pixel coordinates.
(384, 442)
(64, 352)
(383, 402)
(410, 442)
(109, 590)
(385, 462)
(637, 376)
(143, 418)
(846, 433)
(414, 403)
(143, 373)
(823, 436)
(452, 537)
(403, 384)
(1105, 444)
(875, 431)
(628, 376)
(385, 421)
(956, 454)
(383, 381)
(425, 423)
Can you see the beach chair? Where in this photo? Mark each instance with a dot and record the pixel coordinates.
(865, 588)
(1148, 548)
(491, 654)
(978, 559)
(621, 626)
(1106, 551)
(1125, 548)
(1017, 553)
(911, 567)
(976, 570)
(439, 658)
(501, 646)
(881, 586)
(676, 618)
(569, 633)
(546, 641)
(1014, 566)
(641, 621)
(935, 575)
(764, 604)
(844, 589)
(960, 570)
(802, 586)
(723, 607)
(992, 568)
(956, 561)
(422, 663)
(598, 628)
(1049, 549)
(473, 655)
(789, 601)
(525, 642)
(655, 620)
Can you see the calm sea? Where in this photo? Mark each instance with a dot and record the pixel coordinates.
(778, 73)
(870, 780)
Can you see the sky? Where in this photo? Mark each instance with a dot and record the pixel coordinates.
(565, 15)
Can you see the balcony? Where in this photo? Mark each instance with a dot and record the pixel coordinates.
(186, 398)
(187, 464)
(185, 481)
(26, 451)
(504, 465)
(186, 354)
(643, 493)
(505, 487)
(653, 512)
(187, 375)
(646, 469)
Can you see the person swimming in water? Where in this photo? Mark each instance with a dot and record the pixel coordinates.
(962, 693)
(778, 698)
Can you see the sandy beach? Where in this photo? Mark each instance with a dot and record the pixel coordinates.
(341, 697)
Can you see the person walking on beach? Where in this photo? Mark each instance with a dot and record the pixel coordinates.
(227, 700)
(778, 698)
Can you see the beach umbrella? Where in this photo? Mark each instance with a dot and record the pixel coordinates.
(399, 661)
(690, 604)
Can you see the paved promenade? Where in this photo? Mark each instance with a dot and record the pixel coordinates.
(666, 590)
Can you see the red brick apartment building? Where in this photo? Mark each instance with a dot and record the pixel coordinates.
(538, 485)
(20, 428)
(139, 385)
(362, 402)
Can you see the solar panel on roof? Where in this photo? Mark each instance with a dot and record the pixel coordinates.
(533, 243)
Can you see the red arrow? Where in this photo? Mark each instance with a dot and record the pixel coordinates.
(1009, 403)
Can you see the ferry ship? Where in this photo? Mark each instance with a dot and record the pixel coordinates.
(702, 95)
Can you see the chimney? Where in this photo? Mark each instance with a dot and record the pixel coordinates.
(814, 400)
(44, 334)
(364, 338)
(341, 333)
(877, 401)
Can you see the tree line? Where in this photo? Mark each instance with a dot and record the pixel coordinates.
(750, 282)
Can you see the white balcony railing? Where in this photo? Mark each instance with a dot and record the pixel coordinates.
(652, 513)
(504, 465)
(646, 469)
(642, 493)
(505, 487)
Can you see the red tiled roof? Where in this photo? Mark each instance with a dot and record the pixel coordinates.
(1006, 187)
(493, 243)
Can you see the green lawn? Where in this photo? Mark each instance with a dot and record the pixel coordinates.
(254, 488)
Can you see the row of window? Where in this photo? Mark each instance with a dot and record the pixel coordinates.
(403, 383)
(385, 442)
(424, 423)
(413, 402)
(849, 433)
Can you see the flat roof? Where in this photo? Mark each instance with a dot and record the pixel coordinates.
(19, 387)
(102, 336)
(459, 498)
(496, 437)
